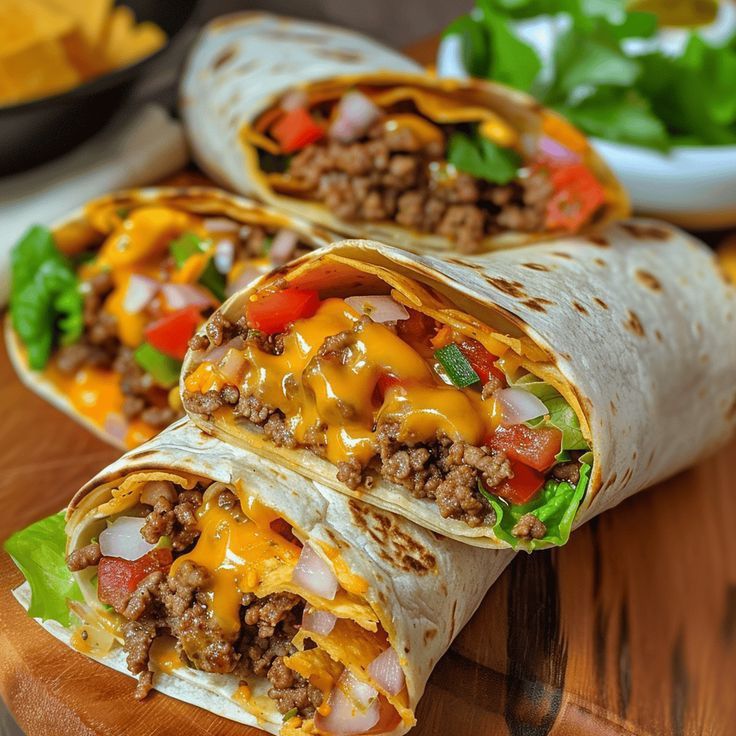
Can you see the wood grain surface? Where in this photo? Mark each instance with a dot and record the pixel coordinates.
(629, 629)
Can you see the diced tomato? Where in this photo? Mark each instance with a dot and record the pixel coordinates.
(481, 360)
(274, 311)
(171, 333)
(519, 489)
(296, 129)
(535, 447)
(384, 383)
(577, 195)
(117, 578)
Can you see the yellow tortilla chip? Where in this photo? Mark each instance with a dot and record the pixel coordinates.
(90, 16)
(26, 23)
(38, 70)
(125, 42)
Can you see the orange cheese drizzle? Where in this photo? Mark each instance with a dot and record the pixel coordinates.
(321, 395)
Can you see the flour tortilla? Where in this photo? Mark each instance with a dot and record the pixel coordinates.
(242, 64)
(196, 199)
(638, 324)
(424, 588)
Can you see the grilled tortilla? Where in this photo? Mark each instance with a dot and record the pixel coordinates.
(397, 588)
(351, 135)
(501, 400)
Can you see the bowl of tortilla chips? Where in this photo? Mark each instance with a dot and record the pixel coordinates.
(67, 65)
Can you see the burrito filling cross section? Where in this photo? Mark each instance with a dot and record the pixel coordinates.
(106, 309)
(382, 390)
(428, 160)
(194, 573)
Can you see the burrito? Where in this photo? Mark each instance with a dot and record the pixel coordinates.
(244, 588)
(499, 400)
(348, 134)
(102, 304)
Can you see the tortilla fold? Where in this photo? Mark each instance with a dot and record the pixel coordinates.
(635, 329)
(421, 589)
(243, 64)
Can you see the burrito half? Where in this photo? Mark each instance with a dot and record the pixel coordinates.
(499, 400)
(350, 135)
(257, 588)
(103, 303)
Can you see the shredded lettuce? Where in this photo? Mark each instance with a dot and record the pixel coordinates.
(555, 506)
(45, 300)
(39, 552)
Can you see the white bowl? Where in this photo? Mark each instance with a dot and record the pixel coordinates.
(692, 186)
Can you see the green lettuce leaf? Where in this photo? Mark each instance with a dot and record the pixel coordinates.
(555, 505)
(45, 301)
(483, 158)
(39, 552)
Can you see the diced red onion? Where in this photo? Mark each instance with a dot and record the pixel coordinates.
(386, 671)
(293, 100)
(319, 622)
(518, 405)
(355, 114)
(220, 225)
(155, 489)
(380, 308)
(123, 539)
(553, 150)
(248, 275)
(224, 255)
(283, 245)
(231, 365)
(314, 574)
(354, 708)
(116, 426)
(179, 296)
(139, 293)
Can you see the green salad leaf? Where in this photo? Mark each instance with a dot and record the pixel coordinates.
(46, 303)
(188, 245)
(555, 506)
(39, 551)
(646, 98)
(482, 158)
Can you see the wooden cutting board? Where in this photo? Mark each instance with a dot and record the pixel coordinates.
(629, 629)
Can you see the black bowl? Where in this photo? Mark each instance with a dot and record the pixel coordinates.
(39, 130)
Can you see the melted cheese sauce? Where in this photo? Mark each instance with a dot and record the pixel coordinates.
(336, 402)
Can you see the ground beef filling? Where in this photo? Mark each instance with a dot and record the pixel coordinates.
(387, 176)
(100, 347)
(177, 605)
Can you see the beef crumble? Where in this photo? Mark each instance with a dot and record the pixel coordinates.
(388, 176)
(178, 605)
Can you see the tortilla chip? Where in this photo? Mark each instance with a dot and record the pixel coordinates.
(125, 42)
(38, 70)
(90, 16)
(25, 23)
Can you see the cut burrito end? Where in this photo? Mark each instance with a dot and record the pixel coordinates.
(103, 304)
(232, 583)
(427, 163)
(376, 384)
(193, 574)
